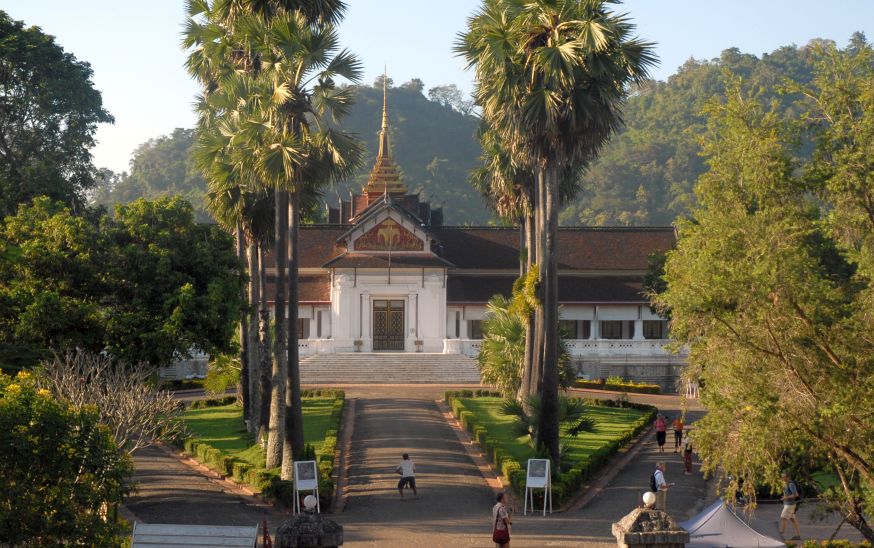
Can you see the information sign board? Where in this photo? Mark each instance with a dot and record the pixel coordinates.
(306, 478)
(539, 476)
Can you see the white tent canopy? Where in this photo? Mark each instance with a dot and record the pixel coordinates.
(719, 527)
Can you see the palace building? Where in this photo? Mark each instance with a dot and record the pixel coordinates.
(385, 275)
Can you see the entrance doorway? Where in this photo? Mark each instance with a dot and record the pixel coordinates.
(388, 324)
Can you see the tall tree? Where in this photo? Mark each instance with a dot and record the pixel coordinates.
(281, 100)
(771, 292)
(551, 78)
(49, 111)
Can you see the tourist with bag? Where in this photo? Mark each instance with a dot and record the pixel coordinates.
(501, 524)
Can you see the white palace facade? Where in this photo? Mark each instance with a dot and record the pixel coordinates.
(385, 275)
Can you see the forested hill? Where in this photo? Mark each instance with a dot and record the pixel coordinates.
(433, 142)
(644, 176)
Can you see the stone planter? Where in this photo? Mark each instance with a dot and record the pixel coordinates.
(647, 528)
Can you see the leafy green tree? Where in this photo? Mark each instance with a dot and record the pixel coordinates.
(50, 293)
(772, 300)
(50, 111)
(61, 474)
(175, 284)
(551, 77)
(148, 286)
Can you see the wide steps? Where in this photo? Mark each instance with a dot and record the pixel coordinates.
(388, 368)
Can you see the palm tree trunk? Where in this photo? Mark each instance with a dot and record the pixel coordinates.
(294, 442)
(276, 430)
(243, 385)
(264, 349)
(254, 359)
(548, 430)
(528, 359)
(539, 246)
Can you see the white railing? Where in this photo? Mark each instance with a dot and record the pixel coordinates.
(308, 347)
(468, 347)
(578, 347)
(613, 347)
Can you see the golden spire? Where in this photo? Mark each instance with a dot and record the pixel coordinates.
(385, 178)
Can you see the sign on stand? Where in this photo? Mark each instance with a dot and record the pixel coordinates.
(539, 477)
(306, 478)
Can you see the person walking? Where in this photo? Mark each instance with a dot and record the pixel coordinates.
(502, 523)
(678, 433)
(661, 428)
(407, 470)
(660, 486)
(687, 458)
(790, 504)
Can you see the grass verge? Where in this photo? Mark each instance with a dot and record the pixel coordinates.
(220, 441)
(616, 424)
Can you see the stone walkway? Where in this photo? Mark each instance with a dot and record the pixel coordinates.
(453, 508)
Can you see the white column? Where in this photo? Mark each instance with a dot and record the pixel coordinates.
(638, 330)
(366, 318)
(595, 331)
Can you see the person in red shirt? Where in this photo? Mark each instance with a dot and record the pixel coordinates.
(678, 433)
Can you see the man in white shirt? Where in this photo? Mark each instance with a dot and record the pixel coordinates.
(407, 470)
(661, 487)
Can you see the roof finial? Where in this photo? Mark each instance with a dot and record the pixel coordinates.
(385, 98)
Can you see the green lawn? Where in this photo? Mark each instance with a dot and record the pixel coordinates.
(610, 424)
(222, 428)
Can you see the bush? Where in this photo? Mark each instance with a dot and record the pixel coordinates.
(60, 466)
(618, 384)
(565, 484)
(213, 402)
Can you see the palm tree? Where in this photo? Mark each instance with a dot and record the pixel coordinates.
(270, 67)
(551, 77)
(296, 150)
(502, 354)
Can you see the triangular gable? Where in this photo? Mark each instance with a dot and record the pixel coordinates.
(389, 235)
(388, 229)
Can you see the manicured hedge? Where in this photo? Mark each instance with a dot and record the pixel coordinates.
(635, 387)
(266, 481)
(564, 484)
(213, 402)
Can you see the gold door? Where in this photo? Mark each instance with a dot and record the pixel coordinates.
(388, 325)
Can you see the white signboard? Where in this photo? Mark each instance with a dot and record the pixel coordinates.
(306, 475)
(539, 477)
(538, 472)
(306, 478)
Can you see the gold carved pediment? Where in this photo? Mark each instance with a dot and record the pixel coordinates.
(389, 235)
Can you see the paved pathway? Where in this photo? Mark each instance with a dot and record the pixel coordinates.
(453, 508)
(169, 491)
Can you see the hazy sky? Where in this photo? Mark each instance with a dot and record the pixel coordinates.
(133, 47)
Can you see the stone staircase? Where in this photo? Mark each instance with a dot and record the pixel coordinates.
(388, 368)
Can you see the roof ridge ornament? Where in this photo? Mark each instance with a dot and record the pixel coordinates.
(385, 177)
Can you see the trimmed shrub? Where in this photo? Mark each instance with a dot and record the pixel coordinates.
(565, 484)
(213, 402)
(627, 386)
